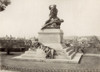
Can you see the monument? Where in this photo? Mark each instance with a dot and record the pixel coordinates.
(50, 33)
(49, 45)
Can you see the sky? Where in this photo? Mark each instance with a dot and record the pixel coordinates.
(24, 18)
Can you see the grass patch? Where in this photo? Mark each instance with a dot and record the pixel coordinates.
(86, 63)
(92, 50)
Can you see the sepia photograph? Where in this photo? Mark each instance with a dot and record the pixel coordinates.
(49, 36)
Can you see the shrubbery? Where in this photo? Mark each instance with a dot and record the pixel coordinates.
(9, 44)
(3, 4)
(82, 44)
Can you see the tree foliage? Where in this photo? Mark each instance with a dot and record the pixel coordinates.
(85, 42)
(3, 4)
(12, 44)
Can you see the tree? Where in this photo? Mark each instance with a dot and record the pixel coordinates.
(7, 43)
(3, 4)
(94, 41)
(83, 44)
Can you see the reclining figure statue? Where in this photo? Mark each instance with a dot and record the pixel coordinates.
(50, 52)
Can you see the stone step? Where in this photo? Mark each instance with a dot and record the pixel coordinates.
(74, 60)
(70, 52)
(33, 56)
(68, 49)
(64, 46)
(29, 52)
(60, 52)
(72, 55)
(56, 46)
(60, 57)
(28, 55)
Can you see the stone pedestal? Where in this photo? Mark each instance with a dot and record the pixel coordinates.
(31, 54)
(51, 37)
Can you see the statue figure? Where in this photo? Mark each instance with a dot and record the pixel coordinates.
(38, 46)
(54, 21)
(53, 11)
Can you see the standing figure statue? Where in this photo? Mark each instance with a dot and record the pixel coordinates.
(54, 21)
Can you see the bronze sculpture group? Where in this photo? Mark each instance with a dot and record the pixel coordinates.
(50, 52)
(53, 22)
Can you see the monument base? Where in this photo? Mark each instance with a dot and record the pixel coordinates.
(62, 56)
(30, 54)
(76, 59)
(52, 38)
